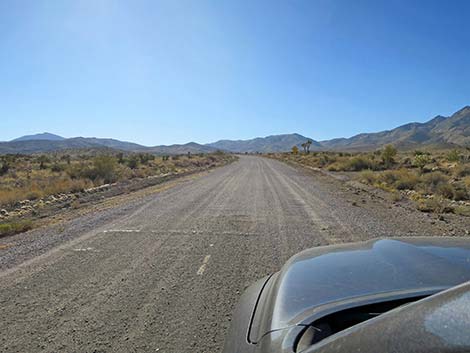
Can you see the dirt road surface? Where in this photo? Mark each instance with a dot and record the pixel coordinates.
(164, 272)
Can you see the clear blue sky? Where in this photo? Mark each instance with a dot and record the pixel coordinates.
(162, 72)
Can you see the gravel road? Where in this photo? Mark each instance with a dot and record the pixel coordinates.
(163, 273)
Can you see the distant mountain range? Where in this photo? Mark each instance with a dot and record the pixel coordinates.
(439, 132)
(274, 143)
(30, 144)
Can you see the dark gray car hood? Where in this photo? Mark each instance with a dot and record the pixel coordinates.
(319, 279)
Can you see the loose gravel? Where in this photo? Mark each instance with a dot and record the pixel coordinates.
(162, 271)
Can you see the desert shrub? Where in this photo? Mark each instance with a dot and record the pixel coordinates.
(66, 158)
(396, 196)
(43, 161)
(165, 158)
(104, 168)
(64, 185)
(368, 177)
(466, 181)
(146, 157)
(57, 168)
(359, 163)
(407, 162)
(462, 211)
(16, 227)
(401, 179)
(76, 171)
(33, 194)
(462, 171)
(460, 192)
(431, 181)
(388, 155)
(421, 160)
(349, 164)
(435, 205)
(42, 188)
(325, 160)
(453, 156)
(133, 162)
(8, 196)
(120, 158)
(4, 168)
(445, 190)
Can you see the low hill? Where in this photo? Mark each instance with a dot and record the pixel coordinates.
(44, 136)
(191, 147)
(273, 143)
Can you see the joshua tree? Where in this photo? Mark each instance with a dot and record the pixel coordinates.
(308, 143)
(304, 146)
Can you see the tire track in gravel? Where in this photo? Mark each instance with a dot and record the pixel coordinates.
(323, 211)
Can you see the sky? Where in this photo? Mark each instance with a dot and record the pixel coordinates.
(162, 72)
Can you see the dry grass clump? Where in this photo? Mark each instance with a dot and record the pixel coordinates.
(354, 164)
(434, 205)
(462, 171)
(11, 228)
(37, 189)
(401, 179)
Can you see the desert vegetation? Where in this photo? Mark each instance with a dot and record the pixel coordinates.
(436, 180)
(38, 180)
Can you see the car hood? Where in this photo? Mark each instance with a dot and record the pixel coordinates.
(317, 280)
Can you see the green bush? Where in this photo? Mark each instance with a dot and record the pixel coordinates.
(12, 228)
(146, 157)
(133, 162)
(104, 168)
(388, 155)
(57, 168)
(77, 171)
(453, 156)
(66, 158)
(421, 160)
